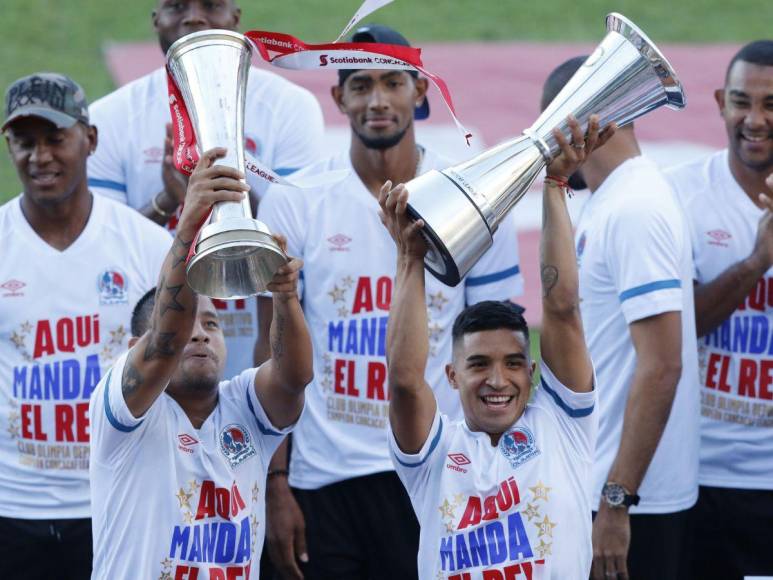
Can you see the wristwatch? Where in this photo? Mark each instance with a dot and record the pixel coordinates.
(617, 496)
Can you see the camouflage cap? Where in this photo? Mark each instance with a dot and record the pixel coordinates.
(51, 96)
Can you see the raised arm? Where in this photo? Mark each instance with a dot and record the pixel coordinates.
(280, 382)
(715, 301)
(154, 358)
(562, 342)
(412, 403)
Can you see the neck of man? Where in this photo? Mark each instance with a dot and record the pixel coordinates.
(198, 404)
(619, 149)
(752, 181)
(397, 164)
(59, 224)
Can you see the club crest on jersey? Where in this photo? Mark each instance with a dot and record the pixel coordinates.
(518, 446)
(236, 444)
(112, 287)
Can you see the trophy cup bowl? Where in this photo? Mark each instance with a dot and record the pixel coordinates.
(235, 255)
(462, 206)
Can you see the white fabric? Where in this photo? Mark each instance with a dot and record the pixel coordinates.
(173, 501)
(736, 359)
(634, 259)
(463, 491)
(349, 265)
(283, 129)
(64, 318)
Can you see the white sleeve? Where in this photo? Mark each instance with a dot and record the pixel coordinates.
(415, 470)
(575, 412)
(106, 167)
(497, 275)
(300, 142)
(114, 430)
(644, 246)
(270, 435)
(282, 210)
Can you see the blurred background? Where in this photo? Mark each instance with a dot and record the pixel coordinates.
(494, 55)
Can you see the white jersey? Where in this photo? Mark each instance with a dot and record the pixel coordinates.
(633, 253)
(283, 129)
(736, 359)
(349, 268)
(64, 319)
(520, 509)
(172, 501)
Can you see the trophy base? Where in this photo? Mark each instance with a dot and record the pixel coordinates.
(455, 231)
(235, 258)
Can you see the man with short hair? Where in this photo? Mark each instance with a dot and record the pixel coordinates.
(633, 254)
(351, 502)
(72, 265)
(729, 209)
(282, 128)
(179, 458)
(504, 492)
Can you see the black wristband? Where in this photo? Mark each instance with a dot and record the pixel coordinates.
(277, 472)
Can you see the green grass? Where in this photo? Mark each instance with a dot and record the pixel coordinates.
(68, 35)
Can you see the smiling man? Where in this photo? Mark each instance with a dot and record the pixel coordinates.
(729, 210)
(72, 266)
(504, 492)
(340, 468)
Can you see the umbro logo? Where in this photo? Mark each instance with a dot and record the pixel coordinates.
(458, 459)
(186, 442)
(719, 238)
(339, 243)
(12, 288)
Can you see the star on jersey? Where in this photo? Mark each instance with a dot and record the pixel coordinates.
(17, 339)
(540, 491)
(347, 282)
(343, 312)
(545, 527)
(544, 549)
(26, 328)
(337, 294)
(184, 498)
(531, 511)
(255, 492)
(118, 335)
(437, 301)
(446, 509)
(194, 486)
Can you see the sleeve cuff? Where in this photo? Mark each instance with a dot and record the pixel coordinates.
(116, 409)
(651, 303)
(575, 405)
(418, 459)
(265, 426)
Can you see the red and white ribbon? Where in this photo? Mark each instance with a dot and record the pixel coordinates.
(368, 7)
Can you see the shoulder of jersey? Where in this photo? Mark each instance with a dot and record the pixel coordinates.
(127, 215)
(690, 178)
(260, 79)
(131, 91)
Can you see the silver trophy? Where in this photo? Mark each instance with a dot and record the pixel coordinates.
(462, 206)
(235, 255)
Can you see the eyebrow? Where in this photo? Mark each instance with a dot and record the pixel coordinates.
(368, 78)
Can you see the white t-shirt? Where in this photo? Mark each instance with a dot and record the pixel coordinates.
(736, 359)
(633, 253)
(520, 508)
(172, 501)
(283, 129)
(64, 318)
(349, 268)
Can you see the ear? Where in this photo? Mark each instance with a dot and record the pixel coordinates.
(337, 92)
(237, 17)
(154, 19)
(93, 136)
(421, 86)
(133, 340)
(451, 375)
(532, 370)
(719, 97)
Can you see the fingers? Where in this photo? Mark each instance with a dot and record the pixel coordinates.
(766, 201)
(621, 568)
(592, 137)
(301, 553)
(282, 241)
(382, 195)
(769, 182)
(606, 134)
(208, 158)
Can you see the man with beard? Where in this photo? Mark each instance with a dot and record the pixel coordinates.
(357, 517)
(133, 164)
(730, 214)
(179, 459)
(633, 253)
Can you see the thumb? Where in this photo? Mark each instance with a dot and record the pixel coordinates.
(300, 545)
(209, 157)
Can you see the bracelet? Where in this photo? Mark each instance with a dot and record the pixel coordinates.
(277, 472)
(157, 208)
(560, 183)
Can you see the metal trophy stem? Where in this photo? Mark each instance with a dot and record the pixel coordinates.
(235, 255)
(462, 206)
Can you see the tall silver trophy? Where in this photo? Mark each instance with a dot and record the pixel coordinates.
(462, 206)
(235, 255)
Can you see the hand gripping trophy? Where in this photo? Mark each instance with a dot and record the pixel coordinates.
(235, 256)
(624, 78)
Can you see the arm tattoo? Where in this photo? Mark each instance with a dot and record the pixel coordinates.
(180, 251)
(173, 304)
(549, 275)
(132, 379)
(159, 345)
(277, 339)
